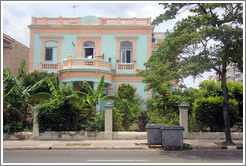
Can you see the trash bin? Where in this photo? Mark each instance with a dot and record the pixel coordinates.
(172, 137)
(154, 134)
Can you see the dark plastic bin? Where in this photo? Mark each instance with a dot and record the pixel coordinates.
(154, 134)
(172, 137)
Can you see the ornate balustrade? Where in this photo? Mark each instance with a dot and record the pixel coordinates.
(49, 66)
(101, 21)
(83, 63)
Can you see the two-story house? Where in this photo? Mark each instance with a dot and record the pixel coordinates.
(85, 48)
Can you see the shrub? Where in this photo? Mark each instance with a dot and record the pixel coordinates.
(170, 119)
(63, 113)
(209, 111)
(142, 120)
(97, 124)
(127, 108)
(12, 127)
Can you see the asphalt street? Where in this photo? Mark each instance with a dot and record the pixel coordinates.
(124, 156)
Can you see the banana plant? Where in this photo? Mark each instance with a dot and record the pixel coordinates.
(94, 96)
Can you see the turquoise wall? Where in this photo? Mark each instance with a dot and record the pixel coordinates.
(142, 51)
(37, 52)
(108, 47)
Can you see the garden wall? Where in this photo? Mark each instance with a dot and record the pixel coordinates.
(82, 135)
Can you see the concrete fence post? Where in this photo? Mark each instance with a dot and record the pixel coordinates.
(183, 117)
(35, 128)
(108, 129)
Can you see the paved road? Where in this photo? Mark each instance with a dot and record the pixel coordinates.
(141, 156)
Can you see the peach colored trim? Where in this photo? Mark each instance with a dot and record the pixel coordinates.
(92, 30)
(101, 21)
(134, 42)
(127, 78)
(85, 74)
(149, 44)
(80, 45)
(109, 89)
(98, 74)
(58, 40)
(149, 94)
(31, 51)
(176, 84)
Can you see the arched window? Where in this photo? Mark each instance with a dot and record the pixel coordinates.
(126, 50)
(89, 49)
(50, 50)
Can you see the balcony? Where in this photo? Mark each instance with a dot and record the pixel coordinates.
(99, 21)
(76, 63)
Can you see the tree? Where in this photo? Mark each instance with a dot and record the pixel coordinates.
(127, 107)
(210, 38)
(17, 98)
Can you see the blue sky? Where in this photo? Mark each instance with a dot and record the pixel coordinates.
(16, 16)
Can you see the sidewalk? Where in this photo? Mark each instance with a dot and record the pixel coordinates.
(108, 144)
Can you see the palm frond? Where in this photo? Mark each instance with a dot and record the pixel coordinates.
(100, 86)
(51, 86)
(21, 69)
(81, 94)
(37, 85)
(87, 87)
(42, 96)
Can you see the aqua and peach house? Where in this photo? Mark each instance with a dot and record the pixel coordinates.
(85, 48)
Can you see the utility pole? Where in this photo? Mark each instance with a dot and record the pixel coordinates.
(74, 6)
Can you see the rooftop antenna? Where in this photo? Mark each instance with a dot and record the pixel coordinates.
(74, 6)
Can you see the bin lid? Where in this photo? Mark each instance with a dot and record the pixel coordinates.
(154, 126)
(172, 128)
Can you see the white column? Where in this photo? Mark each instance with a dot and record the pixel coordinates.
(35, 128)
(108, 125)
(183, 118)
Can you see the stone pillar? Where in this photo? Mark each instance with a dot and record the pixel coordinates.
(108, 129)
(183, 118)
(35, 129)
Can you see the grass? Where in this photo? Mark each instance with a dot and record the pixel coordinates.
(187, 146)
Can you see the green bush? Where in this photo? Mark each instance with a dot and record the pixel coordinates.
(63, 113)
(170, 119)
(97, 124)
(117, 121)
(12, 127)
(143, 119)
(209, 111)
(127, 109)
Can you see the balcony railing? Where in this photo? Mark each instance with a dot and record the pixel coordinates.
(49, 66)
(85, 63)
(101, 21)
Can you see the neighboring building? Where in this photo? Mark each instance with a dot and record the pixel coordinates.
(233, 74)
(85, 48)
(13, 54)
(214, 78)
(158, 37)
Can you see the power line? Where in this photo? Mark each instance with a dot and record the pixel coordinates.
(74, 6)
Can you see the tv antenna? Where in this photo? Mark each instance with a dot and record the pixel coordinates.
(74, 6)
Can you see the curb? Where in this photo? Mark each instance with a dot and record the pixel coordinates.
(74, 148)
(232, 147)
